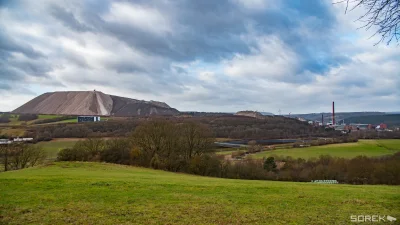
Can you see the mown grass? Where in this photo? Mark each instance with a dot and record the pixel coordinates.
(347, 150)
(74, 120)
(53, 147)
(42, 116)
(12, 132)
(14, 119)
(94, 193)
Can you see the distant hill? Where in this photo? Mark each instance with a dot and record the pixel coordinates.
(339, 115)
(267, 113)
(392, 120)
(92, 103)
(250, 114)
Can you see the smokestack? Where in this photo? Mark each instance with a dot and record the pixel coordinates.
(322, 119)
(333, 113)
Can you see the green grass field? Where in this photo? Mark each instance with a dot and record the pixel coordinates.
(53, 147)
(346, 150)
(75, 120)
(95, 193)
(14, 119)
(48, 116)
(13, 132)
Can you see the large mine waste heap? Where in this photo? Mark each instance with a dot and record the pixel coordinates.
(93, 103)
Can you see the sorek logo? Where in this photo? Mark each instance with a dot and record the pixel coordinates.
(371, 218)
(390, 218)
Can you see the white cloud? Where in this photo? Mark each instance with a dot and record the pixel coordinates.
(144, 18)
(265, 78)
(257, 5)
(207, 76)
(271, 59)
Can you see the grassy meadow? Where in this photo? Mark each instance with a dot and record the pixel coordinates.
(346, 150)
(53, 147)
(369, 148)
(97, 193)
(42, 116)
(13, 132)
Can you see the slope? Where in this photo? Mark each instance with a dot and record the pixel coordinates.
(92, 103)
(132, 107)
(392, 120)
(370, 148)
(69, 103)
(96, 193)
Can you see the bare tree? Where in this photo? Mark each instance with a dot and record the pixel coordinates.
(4, 156)
(165, 145)
(155, 139)
(383, 14)
(19, 156)
(196, 139)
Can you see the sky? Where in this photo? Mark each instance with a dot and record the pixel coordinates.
(292, 56)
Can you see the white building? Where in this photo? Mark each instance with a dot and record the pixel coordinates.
(22, 139)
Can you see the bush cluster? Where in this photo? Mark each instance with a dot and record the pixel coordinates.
(52, 120)
(5, 118)
(221, 126)
(187, 147)
(27, 117)
(19, 156)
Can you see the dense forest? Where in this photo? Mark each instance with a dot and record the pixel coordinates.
(187, 147)
(227, 126)
(392, 120)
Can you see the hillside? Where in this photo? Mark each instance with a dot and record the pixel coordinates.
(97, 193)
(250, 114)
(224, 126)
(92, 103)
(339, 115)
(370, 148)
(392, 120)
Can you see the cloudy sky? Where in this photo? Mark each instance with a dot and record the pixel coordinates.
(208, 55)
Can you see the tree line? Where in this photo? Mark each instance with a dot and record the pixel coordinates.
(188, 147)
(221, 126)
(20, 155)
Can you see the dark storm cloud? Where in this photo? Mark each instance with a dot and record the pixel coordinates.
(210, 30)
(183, 49)
(8, 45)
(125, 67)
(33, 68)
(4, 86)
(67, 18)
(76, 59)
(14, 69)
(8, 73)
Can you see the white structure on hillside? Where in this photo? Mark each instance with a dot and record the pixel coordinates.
(18, 139)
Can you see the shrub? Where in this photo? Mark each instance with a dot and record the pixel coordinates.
(19, 156)
(238, 154)
(69, 154)
(116, 151)
(27, 117)
(269, 164)
(52, 120)
(5, 118)
(87, 150)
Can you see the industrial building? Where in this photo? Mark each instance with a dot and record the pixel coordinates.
(82, 119)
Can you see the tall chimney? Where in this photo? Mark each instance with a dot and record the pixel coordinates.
(333, 113)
